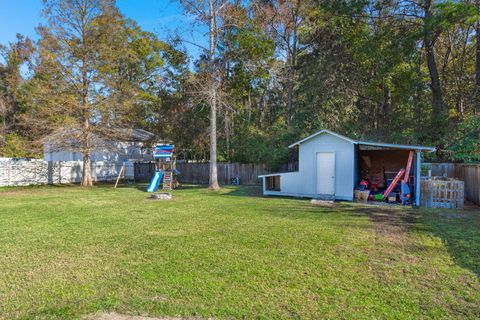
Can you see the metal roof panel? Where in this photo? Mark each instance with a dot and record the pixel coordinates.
(395, 146)
(367, 143)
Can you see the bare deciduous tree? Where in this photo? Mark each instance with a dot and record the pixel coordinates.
(92, 65)
(74, 45)
(283, 19)
(209, 13)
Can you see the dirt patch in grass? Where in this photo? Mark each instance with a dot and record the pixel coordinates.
(393, 242)
(392, 223)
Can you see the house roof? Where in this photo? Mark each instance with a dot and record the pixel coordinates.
(365, 143)
(135, 134)
(118, 134)
(69, 138)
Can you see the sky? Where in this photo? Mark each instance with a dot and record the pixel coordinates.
(159, 16)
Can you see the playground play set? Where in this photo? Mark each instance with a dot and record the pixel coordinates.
(165, 173)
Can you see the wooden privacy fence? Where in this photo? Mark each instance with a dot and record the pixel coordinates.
(198, 173)
(468, 173)
(439, 169)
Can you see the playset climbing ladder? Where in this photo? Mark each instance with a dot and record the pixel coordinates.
(167, 181)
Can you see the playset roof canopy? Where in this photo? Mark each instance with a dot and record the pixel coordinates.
(164, 151)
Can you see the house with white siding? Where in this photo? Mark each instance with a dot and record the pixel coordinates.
(64, 145)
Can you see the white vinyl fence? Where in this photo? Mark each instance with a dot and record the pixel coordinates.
(32, 172)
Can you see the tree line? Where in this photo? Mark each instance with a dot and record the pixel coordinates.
(268, 72)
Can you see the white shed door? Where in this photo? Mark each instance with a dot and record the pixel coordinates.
(326, 173)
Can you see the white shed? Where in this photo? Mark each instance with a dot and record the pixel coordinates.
(331, 165)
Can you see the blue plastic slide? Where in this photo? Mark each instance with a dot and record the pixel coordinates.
(155, 181)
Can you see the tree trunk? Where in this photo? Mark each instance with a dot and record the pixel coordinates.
(228, 122)
(87, 172)
(263, 110)
(417, 111)
(476, 107)
(437, 99)
(290, 84)
(4, 120)
(213, 181)
(292, 61)
(387, 107)
(438, 112)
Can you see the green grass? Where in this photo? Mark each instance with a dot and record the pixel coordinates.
(461, 233)
(66, 252)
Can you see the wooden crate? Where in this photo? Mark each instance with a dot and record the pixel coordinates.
(361, 195)
(439, 192)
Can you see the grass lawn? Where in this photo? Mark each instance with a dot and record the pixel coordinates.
(67, 252)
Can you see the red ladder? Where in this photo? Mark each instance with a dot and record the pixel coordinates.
(409, 166)
(399, 175)
(394, 183)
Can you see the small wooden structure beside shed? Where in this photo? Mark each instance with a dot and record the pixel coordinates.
(440, 192)
(331, 165)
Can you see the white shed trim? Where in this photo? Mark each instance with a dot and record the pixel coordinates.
(395, 146)
(320, 132)
(365, 143)
(274, 174)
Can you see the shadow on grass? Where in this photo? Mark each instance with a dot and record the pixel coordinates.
(192, 187)
(39, 187)
(244, 191)
(392, 216)
(143, 187)
(139, 186)
(460, 231)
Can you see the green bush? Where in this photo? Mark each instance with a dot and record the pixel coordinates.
(14, 146)
(255, 146)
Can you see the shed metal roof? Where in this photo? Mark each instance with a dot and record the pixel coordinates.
(365, 143)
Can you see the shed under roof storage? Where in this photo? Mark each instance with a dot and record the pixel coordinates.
(331, 166)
